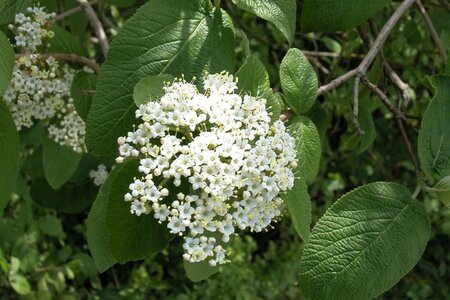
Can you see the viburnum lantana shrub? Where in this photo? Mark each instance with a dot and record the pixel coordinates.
(236, 164)
(189, 132)
(40, 87)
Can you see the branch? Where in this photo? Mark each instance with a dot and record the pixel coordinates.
(336, 82)
(445, 4)
(68, 58)
(329, 54)
(433, 31)
(361, 70)
(400, 118)
(96, 25)
(384, 98)
(409, 147)
(384, 33)
(404, 88)
(318, 65)
(72, 11)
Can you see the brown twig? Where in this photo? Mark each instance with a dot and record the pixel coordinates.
(72, 11)
(329, 54)
(361, 70)
(400, 118)
(445, 4)
(336, 82)
(433, 31)
(95, 24)
(403, 87)
(319, 65)
(409, 147)
(384, 98)
(68, 58)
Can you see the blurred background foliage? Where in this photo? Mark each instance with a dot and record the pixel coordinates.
(44, 255)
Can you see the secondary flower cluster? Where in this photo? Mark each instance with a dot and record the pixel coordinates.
(31, 30)
(99, 175)
(40, 88)
(220, 149)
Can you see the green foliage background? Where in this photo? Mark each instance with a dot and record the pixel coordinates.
(43, 246)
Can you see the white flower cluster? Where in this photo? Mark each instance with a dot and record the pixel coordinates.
(31, 30)
(40, 88)
(220, 145)
(99, 175)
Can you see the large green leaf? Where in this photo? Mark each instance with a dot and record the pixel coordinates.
(334, 15)
(59, 162)
(173, 37)
(299, 205)
(97, 232)
(65, 42)
(6, 63)
(299, 81)
(10, 8)
(131, 237)
(9, 155)
(150, 88)
(199, 271)
(282, 13)
(369, 239)
(253, 79)
(82, 91)
(71, 198)
(308, 147)
(434, 134)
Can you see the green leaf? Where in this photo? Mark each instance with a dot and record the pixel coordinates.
(299, 205)
(65, 42)
(20, 284)
(299, 81)
(9, 155)
(78, 22)
(150, 88)
(97, 232)
(367, 125)
(163, 37)
(199, 271)
(308, 147)
(10, 8)
(72, 198)
(254, 80)
(6, 63)
(369, 239)
(82, 91)
(335, 15)
(282, 13)
(440, 18)
(442, 190)
(121, 3)
(51, 225)
(131, 237)
(59, 162)
(434, 134)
